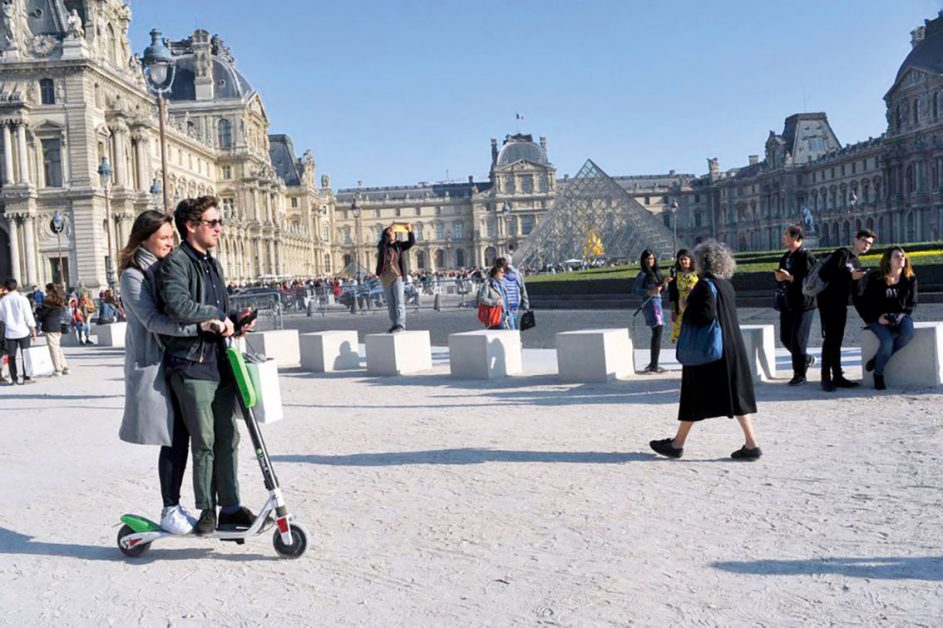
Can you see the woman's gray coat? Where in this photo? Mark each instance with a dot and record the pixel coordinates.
(148, 412)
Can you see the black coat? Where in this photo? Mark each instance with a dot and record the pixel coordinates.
(724, 387)
(50, 318)
(798, 264)
(401, 248)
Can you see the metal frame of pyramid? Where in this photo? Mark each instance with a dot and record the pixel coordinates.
(594, 207)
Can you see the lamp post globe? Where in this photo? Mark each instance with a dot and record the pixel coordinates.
(58, 225)
(160, 69)
(674, 227)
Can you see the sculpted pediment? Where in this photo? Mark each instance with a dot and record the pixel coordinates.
(521, 166)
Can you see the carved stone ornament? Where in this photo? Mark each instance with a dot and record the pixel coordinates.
(43, 45)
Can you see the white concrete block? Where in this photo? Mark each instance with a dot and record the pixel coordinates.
(919, 364)
(111, 335)
(760, 343)
(37, 362)
(327, 351)
(595, 355)
(485, 354)
(402, 353)
(281, 345)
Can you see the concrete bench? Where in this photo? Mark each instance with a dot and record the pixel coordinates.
(595, 355)
(281, 345)
(760, 342)
(920, 363)
(328, 351)
(111, 335)
(402, 353)
(485, 354)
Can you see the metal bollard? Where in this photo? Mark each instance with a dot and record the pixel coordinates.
(311, 305)
(353, 303)
(437, 302)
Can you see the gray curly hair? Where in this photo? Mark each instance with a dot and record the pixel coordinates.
(714, 258)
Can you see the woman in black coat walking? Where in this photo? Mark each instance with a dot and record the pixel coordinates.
(723, 387)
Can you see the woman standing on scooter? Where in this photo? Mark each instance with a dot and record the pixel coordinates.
(151, 415)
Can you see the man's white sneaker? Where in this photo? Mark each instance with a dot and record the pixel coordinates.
(174, 521)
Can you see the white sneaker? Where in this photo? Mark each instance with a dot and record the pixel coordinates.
(187, 515)
(174, 521)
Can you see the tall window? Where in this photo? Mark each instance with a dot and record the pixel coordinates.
(224, 133)
(47, 92)
(916, 111)
(936, 105)
(52, 162)
(439, 231)
(417, 231)
(458, 230)
(527, 224)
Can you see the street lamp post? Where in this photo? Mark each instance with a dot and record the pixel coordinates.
(448, 249)
(159, 71)
(674, 227)
(356, 211)
(104, 171)
(157, 192)
(58, 224)
(506, 210)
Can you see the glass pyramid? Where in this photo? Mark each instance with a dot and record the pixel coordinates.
(594, 217)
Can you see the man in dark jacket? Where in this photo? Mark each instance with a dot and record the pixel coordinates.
(193, 290)
(842, 271)
(796, 309)
(391, 269)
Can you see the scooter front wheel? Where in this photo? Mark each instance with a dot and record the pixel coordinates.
(299, 542)
(134, 551)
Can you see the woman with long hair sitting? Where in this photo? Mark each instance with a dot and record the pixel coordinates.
(887, 305)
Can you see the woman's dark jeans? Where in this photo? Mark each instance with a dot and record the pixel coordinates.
(891, 340)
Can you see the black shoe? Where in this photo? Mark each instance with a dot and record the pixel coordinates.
(796, 380)
(397, 328)
(809, 361)
(870, 364)
(665, 447)
(390, 330)
(206, 523)
(242, 518)
(828, 386)
(747, 454)
(841, 382)
(879, 382)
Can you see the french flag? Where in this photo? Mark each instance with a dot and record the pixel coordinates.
(518, 116)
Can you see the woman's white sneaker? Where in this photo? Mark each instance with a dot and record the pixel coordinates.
(173, 520)
(186, 513)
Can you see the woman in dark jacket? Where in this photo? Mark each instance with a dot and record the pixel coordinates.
(650, 284)
(51, 317)
(723, 387)
(887, 306)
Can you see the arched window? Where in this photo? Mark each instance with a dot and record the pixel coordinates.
(460, 258)
(224, 133)
(421, 260)
(440, 259)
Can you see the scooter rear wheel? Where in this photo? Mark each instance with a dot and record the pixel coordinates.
(131, 552)
(299, 542)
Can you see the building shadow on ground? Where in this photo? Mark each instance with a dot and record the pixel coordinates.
(14, 543)
(877, 567)
(466, 455)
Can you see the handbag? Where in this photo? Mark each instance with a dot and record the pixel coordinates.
(700, 344)
(489, 315)
(527, 320)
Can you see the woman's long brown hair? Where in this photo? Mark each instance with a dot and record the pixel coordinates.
(908, 270)
(145, 225)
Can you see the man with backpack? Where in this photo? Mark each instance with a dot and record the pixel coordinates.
(795, 308)
(838, 274)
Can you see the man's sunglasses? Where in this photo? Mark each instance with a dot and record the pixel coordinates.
(212, 224)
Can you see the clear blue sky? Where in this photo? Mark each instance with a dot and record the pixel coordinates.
(398, 91)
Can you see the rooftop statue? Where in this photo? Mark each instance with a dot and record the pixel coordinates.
(74, 24)
(808, 221)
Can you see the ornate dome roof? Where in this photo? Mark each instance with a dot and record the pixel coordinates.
(521, 147)
(228, 82)
(927, 53)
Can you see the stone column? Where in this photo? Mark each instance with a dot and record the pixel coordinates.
(140, 147)
(21, 147)
(121, 161)
(271, 259)
(7, 155)
(14, 244)
(29, 248)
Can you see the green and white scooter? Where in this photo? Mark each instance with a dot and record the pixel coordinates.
(290, 538)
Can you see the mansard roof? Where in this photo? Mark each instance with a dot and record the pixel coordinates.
(521, 148)
(927, 54)
(282, 154)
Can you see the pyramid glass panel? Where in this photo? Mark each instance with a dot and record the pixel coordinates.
(594, 218)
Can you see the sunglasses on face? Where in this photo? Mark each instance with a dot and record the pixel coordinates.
(212, 224)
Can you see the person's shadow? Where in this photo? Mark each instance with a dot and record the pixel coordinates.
(876, 567)
(12, 542)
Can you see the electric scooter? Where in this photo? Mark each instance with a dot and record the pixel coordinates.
(290, 537)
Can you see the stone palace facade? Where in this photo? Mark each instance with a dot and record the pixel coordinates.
(72, 92)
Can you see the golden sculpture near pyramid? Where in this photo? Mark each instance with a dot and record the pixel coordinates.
(594, 247)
